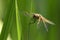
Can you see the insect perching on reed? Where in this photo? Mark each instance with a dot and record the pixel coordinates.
(38, 17)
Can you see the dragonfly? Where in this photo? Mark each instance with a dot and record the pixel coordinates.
(38, 17)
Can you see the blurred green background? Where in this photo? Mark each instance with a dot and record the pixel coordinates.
(14, 25)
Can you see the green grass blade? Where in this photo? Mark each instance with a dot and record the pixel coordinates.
(17, 21)
(7, 22)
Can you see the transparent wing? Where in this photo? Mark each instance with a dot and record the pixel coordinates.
(38, 23)
(45, 20)
(45, 25)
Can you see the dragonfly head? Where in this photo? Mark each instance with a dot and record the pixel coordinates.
(36, 16)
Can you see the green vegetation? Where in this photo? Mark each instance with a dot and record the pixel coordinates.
(16, 24)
